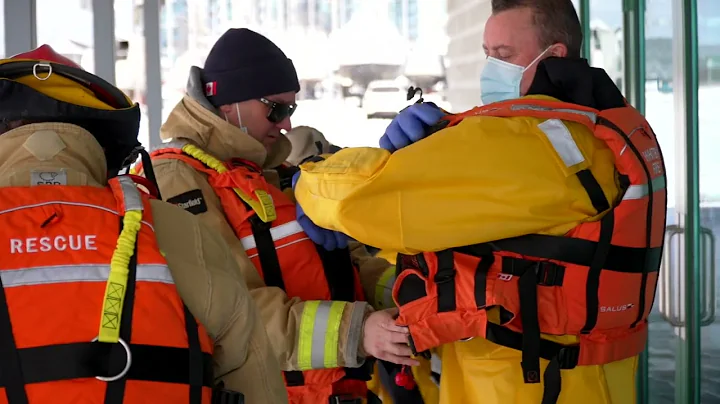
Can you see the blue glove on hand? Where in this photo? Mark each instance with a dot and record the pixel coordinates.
(410, 126)
(329, 239)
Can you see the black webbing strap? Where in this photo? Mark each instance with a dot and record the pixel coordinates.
(560, 357)
(592, 286)
(267, 254)
(581, 252)
(527, 289)
(481, 273)
(272, 274)
(339, 273)
(83, 360)
(594, 190)
(11, 374)
(115, 391)
(445, 281)
(195, 358)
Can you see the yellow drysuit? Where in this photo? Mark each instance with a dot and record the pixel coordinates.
(485, 179)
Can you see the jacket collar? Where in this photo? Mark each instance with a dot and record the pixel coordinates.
(196, 120)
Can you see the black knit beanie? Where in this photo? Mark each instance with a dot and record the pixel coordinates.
(244, 65)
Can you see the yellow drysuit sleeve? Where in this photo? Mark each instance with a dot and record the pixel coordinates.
(485, 179)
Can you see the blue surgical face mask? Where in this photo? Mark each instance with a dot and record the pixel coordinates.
(500, 80)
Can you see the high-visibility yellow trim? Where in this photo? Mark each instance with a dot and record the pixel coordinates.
(117, 279)
(263, 206)
(319, 334)
(332, 334)
(305, 334)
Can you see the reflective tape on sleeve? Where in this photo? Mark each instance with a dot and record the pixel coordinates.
(319, 334)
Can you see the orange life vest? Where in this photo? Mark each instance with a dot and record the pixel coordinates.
(87, 316)
(596, 282)
(285, 258)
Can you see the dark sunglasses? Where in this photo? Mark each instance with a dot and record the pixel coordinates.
(278, 111)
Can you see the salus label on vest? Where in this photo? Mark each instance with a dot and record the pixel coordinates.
(56, 243)
(48, 177)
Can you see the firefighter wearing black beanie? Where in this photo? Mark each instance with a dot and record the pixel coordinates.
(244, 65)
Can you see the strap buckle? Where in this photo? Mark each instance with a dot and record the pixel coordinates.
(550, 274)
(125, 370)
(222, 396)
(568, 356)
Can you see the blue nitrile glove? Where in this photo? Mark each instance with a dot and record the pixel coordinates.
(329, 239)
(410, 126)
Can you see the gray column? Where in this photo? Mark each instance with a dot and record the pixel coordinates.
(20, 26)
(104, 39)
(153, 73)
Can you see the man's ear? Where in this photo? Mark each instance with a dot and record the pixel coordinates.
(559, 50)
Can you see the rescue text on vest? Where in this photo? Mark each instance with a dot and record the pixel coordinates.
(56, 243)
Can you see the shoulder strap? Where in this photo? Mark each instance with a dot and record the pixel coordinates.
(261, 203)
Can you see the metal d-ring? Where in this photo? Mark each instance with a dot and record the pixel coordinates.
(49, 73)
(127, 364)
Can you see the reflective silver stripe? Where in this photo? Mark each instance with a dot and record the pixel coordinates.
(278, 233)
(642, 190)
(170, 144)
(277, 247)
(81, 204)
(79, 273)
(520, 107)
(130, 194)
(326, 325)
(562, 141)
(632, 132)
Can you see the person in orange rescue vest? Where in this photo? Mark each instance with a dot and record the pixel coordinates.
(224, 143)
(529, 230)
(108, 295)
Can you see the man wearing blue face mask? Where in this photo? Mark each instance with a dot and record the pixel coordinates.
(529, 230)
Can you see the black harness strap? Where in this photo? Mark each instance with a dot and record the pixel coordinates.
(445, 281)
(560, 357)
(272, 273)
(339, 272)
(594, 190)
(89, 359)
(592, 286)
(195, 358)
(115, 392)
(527, 289)
(11, 373)
(269, 262)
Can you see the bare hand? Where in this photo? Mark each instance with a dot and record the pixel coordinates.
(384, 340)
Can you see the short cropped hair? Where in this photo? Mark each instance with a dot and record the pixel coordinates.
(556, 21)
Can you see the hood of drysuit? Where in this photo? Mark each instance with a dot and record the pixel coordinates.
(196, 120)
(35, 88)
